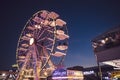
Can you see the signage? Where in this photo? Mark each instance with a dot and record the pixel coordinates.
(59, 73)
(73, 74)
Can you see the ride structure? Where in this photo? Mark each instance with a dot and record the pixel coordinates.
(42, 46)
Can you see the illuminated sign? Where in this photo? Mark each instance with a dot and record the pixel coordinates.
(88, 72)
(59, 73)
(67, 74)
(73, 74)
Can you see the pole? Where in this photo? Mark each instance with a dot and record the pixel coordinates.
(99, 68)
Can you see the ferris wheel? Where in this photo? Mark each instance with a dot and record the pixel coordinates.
(42, 45)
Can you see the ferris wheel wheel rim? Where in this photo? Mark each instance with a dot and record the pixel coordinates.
(22, 35)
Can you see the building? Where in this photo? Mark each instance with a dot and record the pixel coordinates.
(107, 47)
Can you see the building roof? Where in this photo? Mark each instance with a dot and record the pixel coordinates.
(108, 32)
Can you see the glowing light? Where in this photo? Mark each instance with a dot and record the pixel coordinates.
(31, 41)
(68, 77)
(3, 74)
(103, 41)
(45, 73)
(88, 72)
(38, 26)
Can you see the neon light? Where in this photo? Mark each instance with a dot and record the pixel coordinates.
(59, 73)
(67, 77)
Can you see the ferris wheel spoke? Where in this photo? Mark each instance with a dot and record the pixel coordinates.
(48, 48)
(50, 31)
(40, 45)
(49, 45)
(49, 41)
(41, 39)
(39, 35)
(48, 60)
(37, 30)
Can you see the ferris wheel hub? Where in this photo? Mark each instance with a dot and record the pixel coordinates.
(31, 41)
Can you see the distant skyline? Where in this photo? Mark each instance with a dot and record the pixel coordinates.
(85, 20)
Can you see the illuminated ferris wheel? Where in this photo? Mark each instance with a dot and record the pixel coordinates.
(42, 45)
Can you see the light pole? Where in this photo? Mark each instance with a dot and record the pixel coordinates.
(99, 68)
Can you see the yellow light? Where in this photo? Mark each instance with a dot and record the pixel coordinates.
(45, 73)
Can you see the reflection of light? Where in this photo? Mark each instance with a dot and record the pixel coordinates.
(3, 74)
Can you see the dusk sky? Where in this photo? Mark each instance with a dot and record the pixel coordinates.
(85, 20)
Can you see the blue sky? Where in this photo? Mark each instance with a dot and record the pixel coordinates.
(85, 20)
